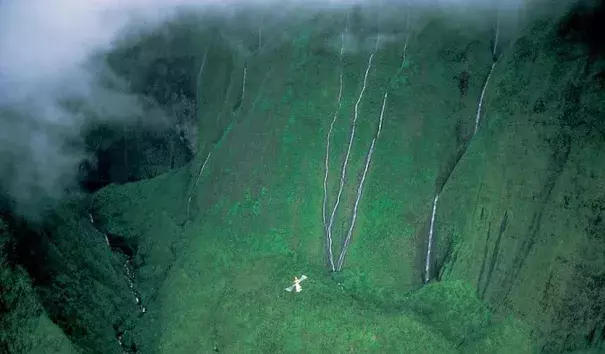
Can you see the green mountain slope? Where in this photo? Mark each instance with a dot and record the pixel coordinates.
(515, 257)
(523, 206)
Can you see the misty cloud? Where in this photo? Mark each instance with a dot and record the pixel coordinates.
(50, 89)
(47, 66)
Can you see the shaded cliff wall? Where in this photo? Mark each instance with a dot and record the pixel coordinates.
(524, 206)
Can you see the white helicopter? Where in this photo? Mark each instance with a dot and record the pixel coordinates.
(296, 286)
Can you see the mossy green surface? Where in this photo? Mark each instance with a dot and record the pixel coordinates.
(218, 246)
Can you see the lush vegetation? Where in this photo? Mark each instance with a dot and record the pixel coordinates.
(214, 243)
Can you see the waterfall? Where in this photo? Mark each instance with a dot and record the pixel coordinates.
(427, 266)
(346, 161)
(328, 228)
(480, 105)
(477, 120)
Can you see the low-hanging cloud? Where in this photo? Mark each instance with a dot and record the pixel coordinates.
(45, 60)
(45, 52)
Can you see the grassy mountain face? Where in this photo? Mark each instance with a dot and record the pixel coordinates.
(523, 207)
(516, 262)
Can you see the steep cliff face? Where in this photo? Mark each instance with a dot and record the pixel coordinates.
(517, 220)
(524, 205)
(324, 141)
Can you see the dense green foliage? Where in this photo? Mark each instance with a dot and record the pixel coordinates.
(517, 262)
(24, 324)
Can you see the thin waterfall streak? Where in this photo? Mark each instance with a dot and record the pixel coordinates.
(328, 230)
(361, 183)
(407, 36)
(346, 22)
(480, 105)
(324, 207)
(199, 74)
(326, 182)
(328, 140)
(365, 80)
(342, 181)
(244, 83)
(496, 41)
(197, 181)
(330, 254)
(496, 36)
(384, 102)
(427, 267)
(405, 49)
(202, 169)
(352, 136)
(356, 206)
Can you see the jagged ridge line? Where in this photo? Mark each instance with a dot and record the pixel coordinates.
(356, 112)
(328, 231)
